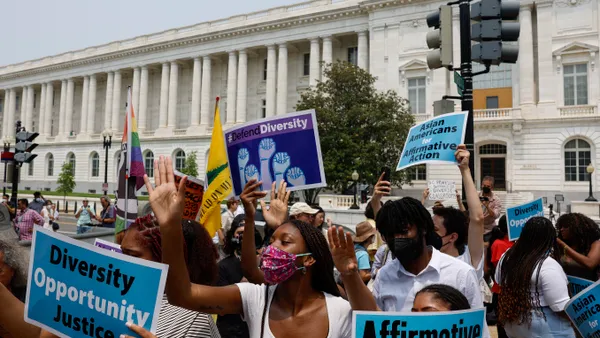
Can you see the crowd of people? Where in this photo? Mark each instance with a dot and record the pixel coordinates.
(301, 276)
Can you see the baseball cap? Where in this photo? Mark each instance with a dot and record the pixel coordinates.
(302, 208)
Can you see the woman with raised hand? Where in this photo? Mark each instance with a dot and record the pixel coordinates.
(302, 298)
(579, 239)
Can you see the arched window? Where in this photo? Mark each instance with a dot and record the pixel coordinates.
(71, 160)
(95, 161)
(149, 163)
(50, 165)
(179, 160)
(577, 157)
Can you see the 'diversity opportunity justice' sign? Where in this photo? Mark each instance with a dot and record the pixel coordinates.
(78, 290)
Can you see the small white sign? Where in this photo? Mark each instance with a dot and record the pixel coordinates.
(440, 190)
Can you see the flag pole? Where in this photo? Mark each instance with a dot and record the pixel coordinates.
(128, 123)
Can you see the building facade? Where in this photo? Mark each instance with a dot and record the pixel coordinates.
(537, 125)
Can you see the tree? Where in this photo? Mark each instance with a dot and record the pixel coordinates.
(191, 165)
(360, 128)
(66, 181)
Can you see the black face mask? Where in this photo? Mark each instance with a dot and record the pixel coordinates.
(406, 249)
(486, 190)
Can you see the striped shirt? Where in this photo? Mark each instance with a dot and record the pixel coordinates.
(176, 322)
(24, 222)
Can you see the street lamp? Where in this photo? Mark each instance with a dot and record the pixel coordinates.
(590, 170)
(355, 179)
(107, 136)
(6, 142)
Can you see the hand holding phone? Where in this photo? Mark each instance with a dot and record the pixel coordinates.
(387, 173)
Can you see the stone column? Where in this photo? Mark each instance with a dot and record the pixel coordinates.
(242, 89)
(40, 124)
(69, 110)
(84, 106)
(196, 87)
(327, 53)
(143, 109)
(48, 115)
(108, 102)
(363, 50)
(526, 78)
(11, 113)
(63, 106)
(5, 113)
(164, 96)
(91, 106)
(547, 72)
(315, 59)
(205, 99)
(135, 90)
(173, 84)
(23, 116)
(282, 79)
(29, 112)
(271, 80)
(231, 87)
(117, 109)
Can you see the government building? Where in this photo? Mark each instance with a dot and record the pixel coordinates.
(537, 126)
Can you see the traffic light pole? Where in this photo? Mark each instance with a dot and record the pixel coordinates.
(16, 169)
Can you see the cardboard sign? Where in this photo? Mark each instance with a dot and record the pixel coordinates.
(440, 190)
(516, 217)
(584, 311)
(76, 289)
(466, 324)
(114, 247)
(576, 285)
(284, 147)
(434, 141)
(194, 190)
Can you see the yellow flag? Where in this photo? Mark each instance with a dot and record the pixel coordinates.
(218, 179)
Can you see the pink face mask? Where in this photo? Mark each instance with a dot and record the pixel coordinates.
(278, 265)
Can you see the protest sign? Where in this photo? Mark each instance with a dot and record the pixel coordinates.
(76, 289)
(434, 141)
(440, 190)
(114, 247)
(516, 217)
(194, 190)
(284, 147)
(576, 285)
(467, 323)
(584, 311)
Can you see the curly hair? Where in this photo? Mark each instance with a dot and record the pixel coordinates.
(583, 230)
(16, 258)
(536, 243)
(454, 298)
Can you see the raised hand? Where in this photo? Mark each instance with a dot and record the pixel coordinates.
(250, 195)
(295, 176)
(166, 199)
(462, 156)
(243, 158)
(281, 162)
(342, 250)
(266, 149)
(425, 194)
(251, 173)
(278, 207)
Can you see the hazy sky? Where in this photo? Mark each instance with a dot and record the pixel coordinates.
(38, 28)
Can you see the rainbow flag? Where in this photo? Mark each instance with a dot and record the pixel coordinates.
(218, 179)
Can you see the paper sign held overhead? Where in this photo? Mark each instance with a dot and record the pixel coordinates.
(440, 190)
(516, 217)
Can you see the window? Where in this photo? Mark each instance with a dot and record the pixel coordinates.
(491, 102)
(1, 105)
(577, 158)
(498, 77)
(306, 65)
(34, 99)
(30, 169)
(17, 103)
(95, 164)
(71, 160)
(353, 55)
(492, 149)
(263, 108)
(416, 95)
(418, 173)
(50, 164)
(575, 84)
(149, 163)
(179, 160)
(265, 70)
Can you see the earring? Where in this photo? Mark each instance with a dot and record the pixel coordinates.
(304, 270)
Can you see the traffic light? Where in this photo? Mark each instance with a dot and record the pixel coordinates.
(440, 39)
(24, 146)
(491, 31)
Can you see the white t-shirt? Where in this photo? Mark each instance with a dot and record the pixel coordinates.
(466, 257)
(552, 284)
(339, 312)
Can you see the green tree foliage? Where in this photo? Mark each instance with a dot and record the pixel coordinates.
(66, 179)
(360, 128)
(191, 164)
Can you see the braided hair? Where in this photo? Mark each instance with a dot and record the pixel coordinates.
(536, 243)
(449, 295)
(322, 274)
(582, 229)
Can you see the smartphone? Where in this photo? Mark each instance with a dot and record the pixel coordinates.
(484, 199)
(387, 173)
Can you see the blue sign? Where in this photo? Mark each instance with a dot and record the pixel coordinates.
(516, 217)
(466, 324)
(434, 141)
(76, 289)
(576, 285)
(584, 311)
(284, 147)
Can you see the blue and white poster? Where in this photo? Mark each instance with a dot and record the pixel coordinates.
(284, 147)
(516, 217)
(584, 311)
(76, 289)
(467, 323)
(576, 285)
(434, 141)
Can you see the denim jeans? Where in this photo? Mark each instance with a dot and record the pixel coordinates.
(82, 229)
(553, 326)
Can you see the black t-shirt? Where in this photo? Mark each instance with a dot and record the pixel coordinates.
(230, 272)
